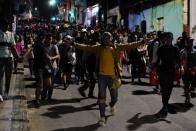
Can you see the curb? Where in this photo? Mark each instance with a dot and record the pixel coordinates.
(20, 121)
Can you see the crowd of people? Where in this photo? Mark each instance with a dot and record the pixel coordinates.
(94, 54)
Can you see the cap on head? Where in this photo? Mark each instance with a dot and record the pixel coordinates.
(83, 30)
(67, 38)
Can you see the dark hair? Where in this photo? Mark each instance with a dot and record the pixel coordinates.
(48, 35)
(169, 35)
(184, 34)
(4, 21)
(159, 33)
(41, 35)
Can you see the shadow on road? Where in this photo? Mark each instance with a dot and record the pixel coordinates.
(141, 83)
(57, 111)
(85, 128)
(126, 77)
(138, 121)
(33, 85)
(125, 82)
(29, 79)
(19, 73)
(143, 92)
(55, 101)
(181, 107)
(193, 95)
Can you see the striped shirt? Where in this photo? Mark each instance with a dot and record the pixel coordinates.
(8, 37)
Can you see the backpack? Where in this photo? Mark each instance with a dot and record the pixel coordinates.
(191, 61)
(67, 54)
(71, 55)
(150, 49)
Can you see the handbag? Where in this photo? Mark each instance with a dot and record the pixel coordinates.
(153, 78)
(177, 74)
(117, 77)
(47, 70)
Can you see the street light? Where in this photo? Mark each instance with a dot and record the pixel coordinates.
(53, 18)
(52, 2)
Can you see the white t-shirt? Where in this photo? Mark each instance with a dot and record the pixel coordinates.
(5, 51)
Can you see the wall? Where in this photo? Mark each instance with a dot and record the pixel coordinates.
(91, 12)
(193, 19)
(172, 12)
(114, 12)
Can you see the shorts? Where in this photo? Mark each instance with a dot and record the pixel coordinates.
(40, 74)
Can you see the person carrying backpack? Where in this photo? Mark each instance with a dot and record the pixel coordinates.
(67, 59)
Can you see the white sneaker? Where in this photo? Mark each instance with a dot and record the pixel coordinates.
(1, 98)
(113, 110)
(102, 121)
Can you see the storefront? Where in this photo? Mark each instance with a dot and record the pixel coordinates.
(113, 16)
(91, 15)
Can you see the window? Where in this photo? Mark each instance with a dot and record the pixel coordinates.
(160, 24)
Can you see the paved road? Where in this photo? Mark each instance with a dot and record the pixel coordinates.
(135, 111)
(13, 111)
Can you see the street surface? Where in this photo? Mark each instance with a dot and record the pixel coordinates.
(135, 110)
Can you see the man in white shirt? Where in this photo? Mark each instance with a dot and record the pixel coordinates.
(7, 52)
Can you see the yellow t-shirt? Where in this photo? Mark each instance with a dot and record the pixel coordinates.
(106, 62)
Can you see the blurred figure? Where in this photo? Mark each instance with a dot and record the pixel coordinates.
(167, 59)
(157, 43)
(188, 67)
(7, 53)
(19, 50)
(53, 54)
(42, 67)
(30, 56)
(183, 41)
(91, 67)
(67, 59)
(107, 56)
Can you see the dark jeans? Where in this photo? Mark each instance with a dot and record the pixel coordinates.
(166, 80)
(103, 83)
(189, 83)
(135, 72)
(5, 67)
(31, 66)
(89, 84)
(15, 64)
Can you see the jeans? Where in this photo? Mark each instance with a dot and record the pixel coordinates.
(31, 66)
(189, 83)
(103, 83)
(166, 80)
(5, 67)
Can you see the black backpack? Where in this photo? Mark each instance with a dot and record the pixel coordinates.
(191, 60)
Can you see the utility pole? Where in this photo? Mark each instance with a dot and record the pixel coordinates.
(105, 12)
(189, 15)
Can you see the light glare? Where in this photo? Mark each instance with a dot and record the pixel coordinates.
(52, 2)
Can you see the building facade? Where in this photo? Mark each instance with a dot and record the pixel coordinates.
(192, 19)
(72, 10)
(168, 17)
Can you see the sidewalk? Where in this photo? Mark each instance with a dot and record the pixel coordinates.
(13, 112)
